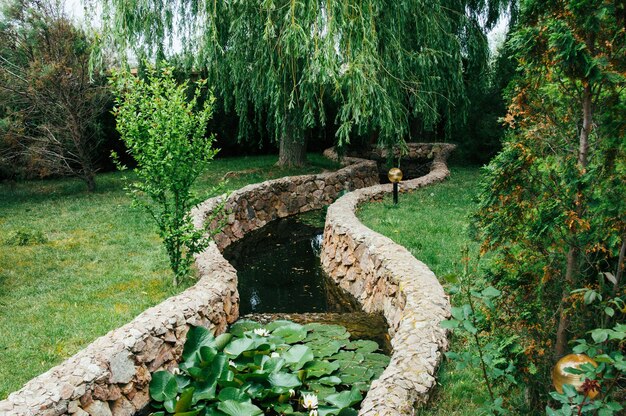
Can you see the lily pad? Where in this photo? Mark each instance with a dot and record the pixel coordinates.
(363, 346)
(297, 356)
(240, 327)
(235, 408)
(290, 333)
(321, 368)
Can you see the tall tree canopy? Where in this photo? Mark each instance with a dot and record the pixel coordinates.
(279, 63)
(552, 211)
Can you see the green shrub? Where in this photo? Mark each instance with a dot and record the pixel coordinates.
(279, 368)
(25, 237)
(165, 134)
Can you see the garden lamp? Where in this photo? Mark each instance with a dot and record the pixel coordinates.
(395, 176)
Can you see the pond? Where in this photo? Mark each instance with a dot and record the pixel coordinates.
(279, 270)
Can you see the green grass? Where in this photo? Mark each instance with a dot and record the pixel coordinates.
(101, 265)
(432, 223)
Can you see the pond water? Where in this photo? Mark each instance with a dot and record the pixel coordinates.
(279, 270)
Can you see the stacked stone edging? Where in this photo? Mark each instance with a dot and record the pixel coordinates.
(253, 206)
(385, 277)
(416, 158)
(110, 377)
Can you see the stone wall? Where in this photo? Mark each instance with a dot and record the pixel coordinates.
(111, 375)
(385, 277)
(416, 162)
(253, 206)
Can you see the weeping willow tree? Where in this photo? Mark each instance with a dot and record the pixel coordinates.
(280, 63)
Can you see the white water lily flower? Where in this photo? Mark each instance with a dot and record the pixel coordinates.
(292, 393)
(262, 332)
(313, 412)
(309, 401)
(275, 355)
(232, 363)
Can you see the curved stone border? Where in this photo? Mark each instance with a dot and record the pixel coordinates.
(111, 375)
(385, 277)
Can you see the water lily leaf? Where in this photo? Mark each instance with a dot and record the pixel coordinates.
(351, 357)
(327, 410)
(362, 386)
(345, 398)
(163, 386)
(197, 337)
(184, 401)
(212, 411)
(321, 368)
(377, 359)
(207, 354)
(283, 408)
(329, 381)
(363, 346)
(277, 324)
(324, 348)
(291, 333)
(221, 341)
(284, 380)
(355, 373)
(255, 390)
(348, 412)
(321, 391)
(239, 327)
(326, 332)
(274, 364)
(234, 408)
(204, 390)
(239, 345)
(233, 393)
(297, 356)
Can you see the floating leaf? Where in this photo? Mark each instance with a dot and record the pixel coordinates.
(345, 398)
(284, 380)
(297, 356)
(291, 333)
(234, 408)
(321, 368)
(363, 346)
(239, 345)
(239, 327)
(163, 386)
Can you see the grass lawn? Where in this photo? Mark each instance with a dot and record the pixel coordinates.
(432, 224)
(101, 265)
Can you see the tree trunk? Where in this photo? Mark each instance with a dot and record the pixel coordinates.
(560, 345)
(90, 180)
(573, 252)
(292, 152)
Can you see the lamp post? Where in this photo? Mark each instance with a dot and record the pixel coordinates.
(395, 176)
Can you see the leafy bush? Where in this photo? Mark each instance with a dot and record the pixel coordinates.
(165, 134)
(25, 238)
(279, 368)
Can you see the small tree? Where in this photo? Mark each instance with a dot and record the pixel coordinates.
(165, 134)
(51, 101)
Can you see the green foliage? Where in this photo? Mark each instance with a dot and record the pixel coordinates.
(25, 237)
(51, 102)
(279, 368)
(102, 266)
(492, 351)
(550, 218)
(165, 134)
(280, 64)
